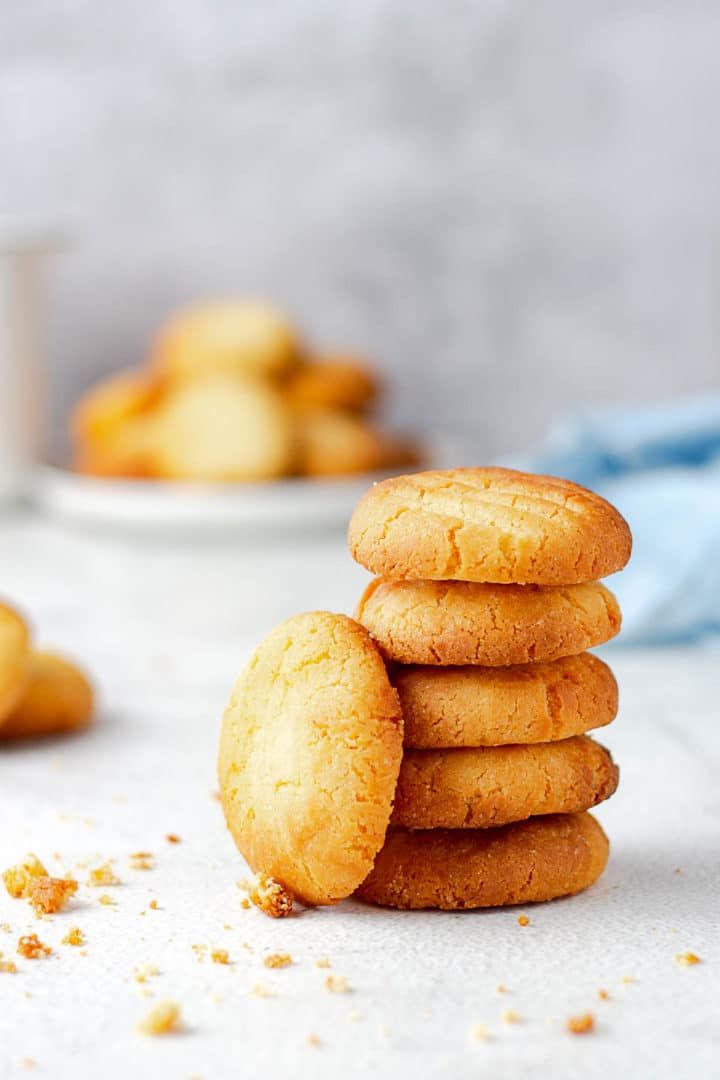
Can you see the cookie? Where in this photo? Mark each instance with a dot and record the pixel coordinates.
(58, 699)
(454, 869)
(527, 703)
(460, 622)
(226, 338)
(333, 383)
(14, 660)
(108, 406)
(476, 788)
(309, 756)
(334, 443)
(488, 525)
(222, 429)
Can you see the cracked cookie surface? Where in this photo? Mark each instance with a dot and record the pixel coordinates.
(488, 525)
(309, 756)
(455, 869)
(527, 703)
(479, 788)
(459, 622)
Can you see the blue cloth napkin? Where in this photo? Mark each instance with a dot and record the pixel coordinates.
(660, 466)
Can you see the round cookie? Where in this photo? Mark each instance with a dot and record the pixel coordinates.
(57, 699)
(333, 383)
(460, 622)
(527, 703)
(454, 869)
(335, 443)
(222, 429)
(488, 525)
(111, 403)
(226, 338)
(309, 756)
(14, 660)
(477, 788)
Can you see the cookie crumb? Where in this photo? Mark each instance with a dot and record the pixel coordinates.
(581, 1025)
(314, 1041)
(628, 980)
(603, 995)
(220, 956)
(106, 901)
(269, 896)
(163, 1019)
(18, 878)
(337, 984)
(511, 1017)
(142, 860)
(260, 991)
(523, 920)
(500, 989)
(479, 1033)
(32, 948)
(278, 960)
(173, 838)
(48, 895)
(74, 936)
(153, 905)
(687, 959)
(143, 972)
(102, 875)
(8, 967)
(323, 962)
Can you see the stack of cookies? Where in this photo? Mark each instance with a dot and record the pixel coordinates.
(434, 752)
(486, 600)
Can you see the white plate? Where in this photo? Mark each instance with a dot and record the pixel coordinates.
(160, 507)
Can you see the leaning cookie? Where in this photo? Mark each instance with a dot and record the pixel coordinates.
(527, 703)
(455, 869)
(58, 699)
(458, 622)
(495, 785)
(309, 756)
(14, 660)
(488, 525)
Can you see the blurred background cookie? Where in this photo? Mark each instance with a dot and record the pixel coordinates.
(14, 659)
(58, 699)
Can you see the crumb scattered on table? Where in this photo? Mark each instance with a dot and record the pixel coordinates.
(479, 1033)
(337, 984)
(74, 936)
(103, 875)
(314, 1041)
(510, 1016)
(260, 991)
(142, 860)
(18, 878)
(278, 960)
(173, 838)
(269, 896)
(583, 1024)
(106, 900)
(323, 962)
(163, 1019)
(603, 995)
(32, 948)
(523, 920)
(48, 895)
(220, 956)
(143, 972)
(687, 959)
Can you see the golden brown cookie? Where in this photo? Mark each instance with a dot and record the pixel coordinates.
(335, 443)
(488, 525)
(527, 703)
(222, 429)
(468, 788)
(460, 622)
(226, 338)
(108, 405)
(14, 660)
(57, 699)
(337, 382)
(309, 756)
(455, 869)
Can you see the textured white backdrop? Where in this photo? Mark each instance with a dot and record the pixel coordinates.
(513, 205)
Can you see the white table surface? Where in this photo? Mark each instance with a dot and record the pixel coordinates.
(165, 629)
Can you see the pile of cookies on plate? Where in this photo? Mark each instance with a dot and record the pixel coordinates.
(41, 693)
(433, 752)
(230, 392)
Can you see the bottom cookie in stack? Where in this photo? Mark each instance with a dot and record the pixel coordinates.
(453, 869)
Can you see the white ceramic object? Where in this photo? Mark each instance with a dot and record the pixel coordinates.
(154, 506)
(24, 248)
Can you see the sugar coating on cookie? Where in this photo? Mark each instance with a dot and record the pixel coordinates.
(226, 338)
(58, 698)
(459, 622)
(466, 788)
(525, 703)
(14, 660)
(222, 429)
(455, 869)
(488, 525)
(309, 756)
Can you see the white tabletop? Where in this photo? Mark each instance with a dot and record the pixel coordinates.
(165, 628)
